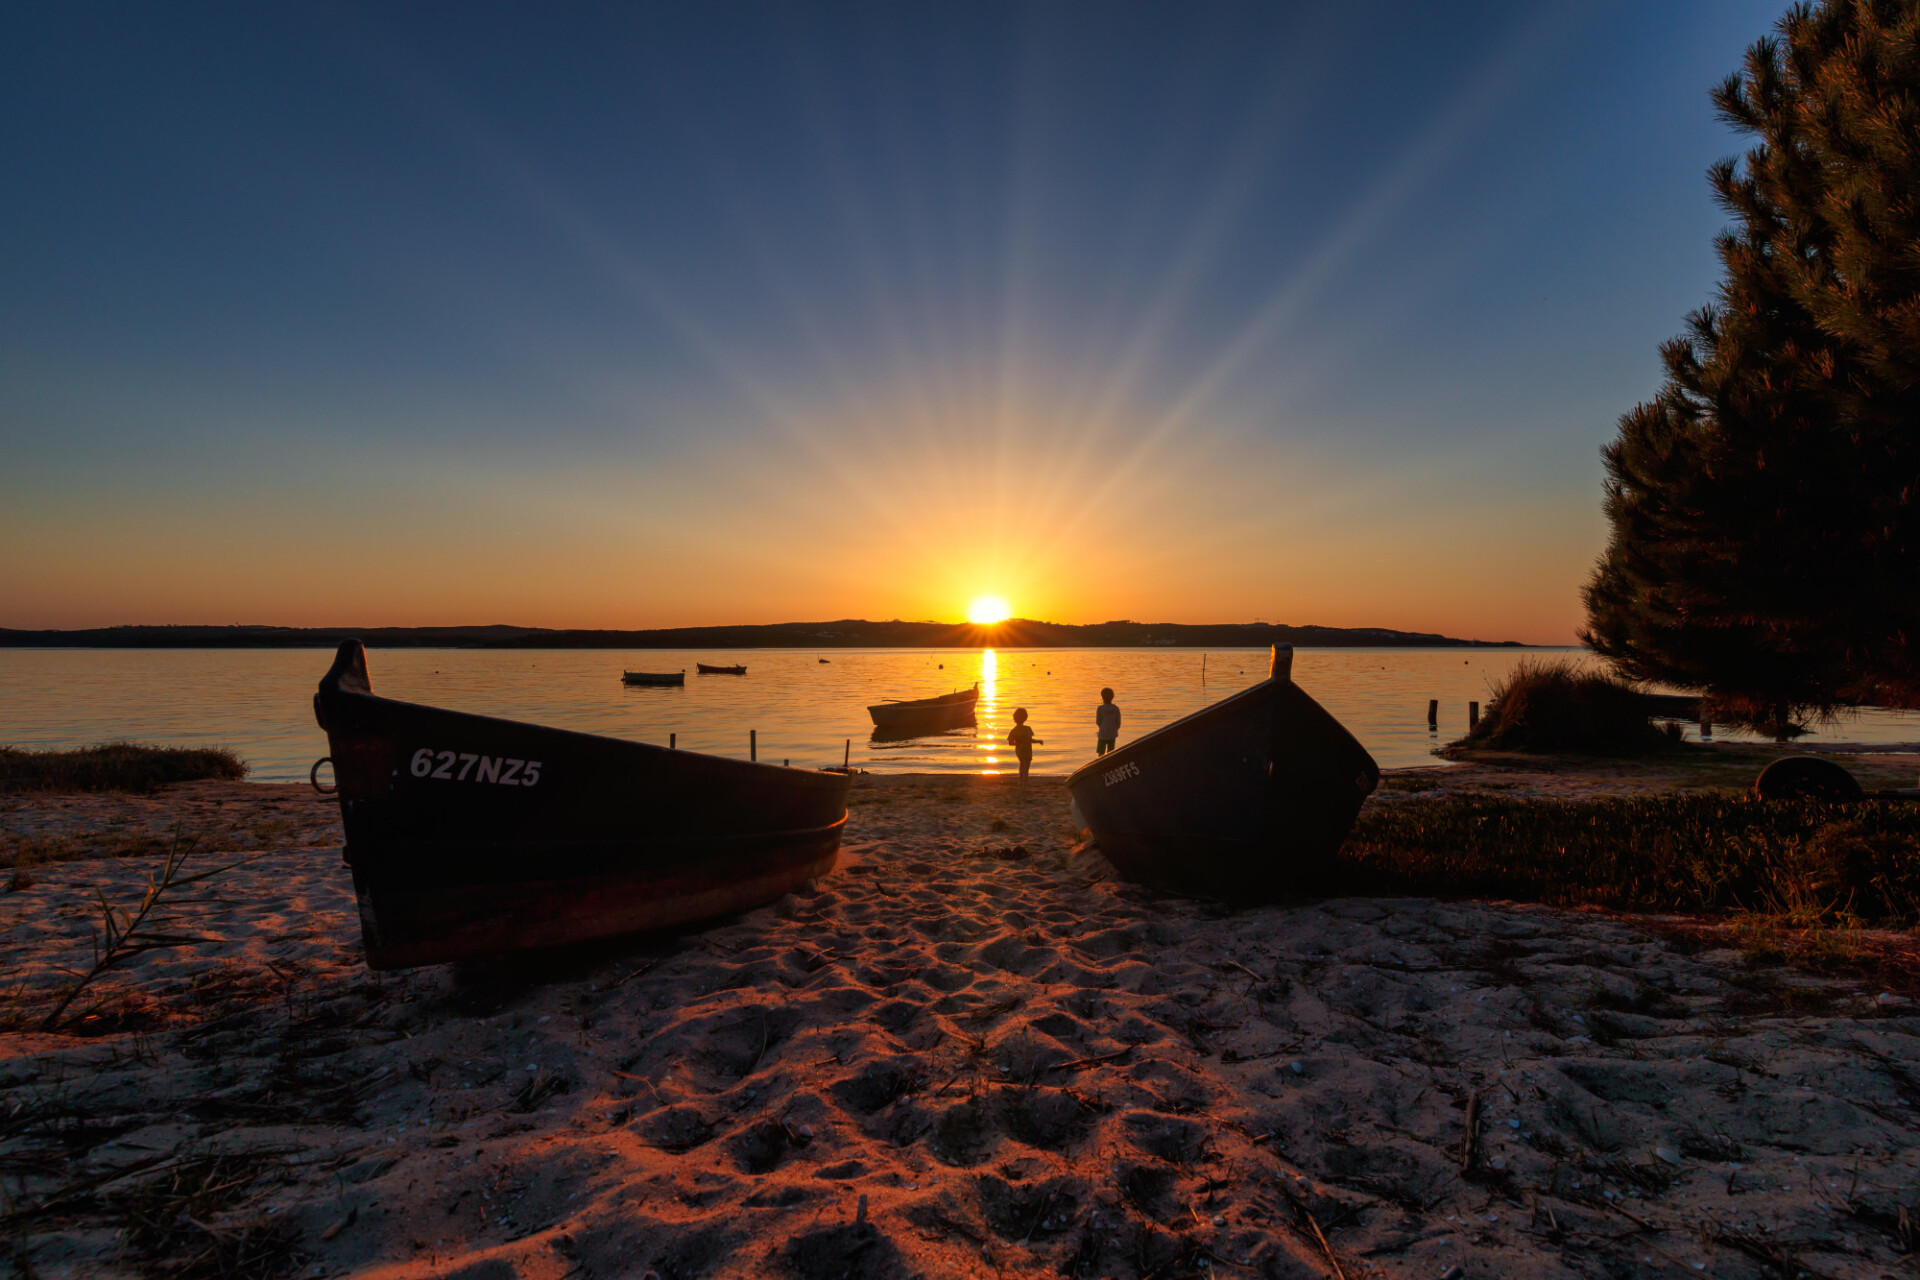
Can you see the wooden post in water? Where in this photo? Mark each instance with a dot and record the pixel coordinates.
(786, 762)
(1473, 714)
(1433, 713)
(846, 754)
(753, 745)
(1706, 729)
(673, 742)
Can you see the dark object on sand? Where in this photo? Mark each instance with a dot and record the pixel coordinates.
(706, 670)
(1247, 800)
(470, 835)
(654, 677)
(1806, 778)
(895, 718)
(1818, 778)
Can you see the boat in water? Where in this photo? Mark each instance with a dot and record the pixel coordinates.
(912, 717)
(1246, 800)
(661, 678)
(706, 670)
(470, 835)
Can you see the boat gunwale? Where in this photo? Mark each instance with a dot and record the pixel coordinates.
(1168, 732)
(330, 688)
(1186, 723)
(939, 702)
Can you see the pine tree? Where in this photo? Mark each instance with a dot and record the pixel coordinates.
(1765, 543)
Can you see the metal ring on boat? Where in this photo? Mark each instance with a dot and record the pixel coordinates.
(313, 777)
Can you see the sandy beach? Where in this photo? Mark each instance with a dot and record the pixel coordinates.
(971, 1051)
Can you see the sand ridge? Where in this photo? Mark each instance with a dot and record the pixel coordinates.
(968, 1052)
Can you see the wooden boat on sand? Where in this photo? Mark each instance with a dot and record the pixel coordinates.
(706, 670)
(469, 834)
(1246, 800)
(925, 715)
(661, 678)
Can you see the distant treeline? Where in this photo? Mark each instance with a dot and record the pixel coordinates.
(849, 633)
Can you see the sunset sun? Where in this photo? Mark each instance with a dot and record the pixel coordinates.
(988, 609)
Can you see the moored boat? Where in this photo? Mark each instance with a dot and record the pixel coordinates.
(469, 835)
(949, 710)
(707, 670)
(1246, 800)
(653, 677)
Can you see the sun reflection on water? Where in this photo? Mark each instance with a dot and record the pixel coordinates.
(986, 716)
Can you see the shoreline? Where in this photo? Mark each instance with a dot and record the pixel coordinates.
(249, 814)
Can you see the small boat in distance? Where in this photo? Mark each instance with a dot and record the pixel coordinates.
(654, 677)
(926, 715)
(469, 835)
(706, 670)
(1247, 800)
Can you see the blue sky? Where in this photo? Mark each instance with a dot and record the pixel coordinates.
(650, 315)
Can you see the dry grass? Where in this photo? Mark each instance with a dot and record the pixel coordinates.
(33, 850)
(126, 932)
(1800, 863)
(1824, 888)
(114, 766)
(1556, 706)
(194, 1222)
(49, 827)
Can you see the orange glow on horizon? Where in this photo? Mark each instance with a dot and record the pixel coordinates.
(881, 502)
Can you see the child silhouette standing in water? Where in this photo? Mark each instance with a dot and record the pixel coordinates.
(1106, 719)
(1022, 741)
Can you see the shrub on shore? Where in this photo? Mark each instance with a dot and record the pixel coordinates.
(1683, 853)
(1547, 706)
(114, 766)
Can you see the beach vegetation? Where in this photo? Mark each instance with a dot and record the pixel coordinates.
(1800, 862)
(1559, 706)
(115, 766)
(1765, 519)
(195, 1218)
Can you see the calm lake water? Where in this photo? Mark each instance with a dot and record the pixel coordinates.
(259, 702)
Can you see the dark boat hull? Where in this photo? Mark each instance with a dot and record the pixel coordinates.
(1247, 800)
(926, 715)
(653, 679)
(706, 670)
(469, 835)
(925, 725)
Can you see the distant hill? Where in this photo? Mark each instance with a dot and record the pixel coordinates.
(848, 633)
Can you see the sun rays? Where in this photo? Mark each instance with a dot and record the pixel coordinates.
(985, 611)
(786, 342)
